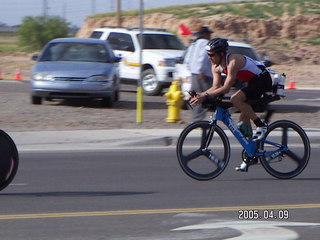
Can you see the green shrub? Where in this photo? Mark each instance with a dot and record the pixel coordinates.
(35, 32)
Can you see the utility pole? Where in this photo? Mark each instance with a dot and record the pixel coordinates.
(139, 115)
(45, 8)
(118, 13)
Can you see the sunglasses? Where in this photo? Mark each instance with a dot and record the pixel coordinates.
(211, 54)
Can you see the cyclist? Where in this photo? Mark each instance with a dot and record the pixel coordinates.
(237, 66)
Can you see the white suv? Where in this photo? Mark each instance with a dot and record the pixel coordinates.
(159, 55)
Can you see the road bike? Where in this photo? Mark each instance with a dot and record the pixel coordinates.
(9, 159)
(203, 148)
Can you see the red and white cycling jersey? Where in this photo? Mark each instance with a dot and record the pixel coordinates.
(247, 73)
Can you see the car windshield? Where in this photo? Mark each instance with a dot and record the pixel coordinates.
(161, 41)
(243, 51)
(76, 52)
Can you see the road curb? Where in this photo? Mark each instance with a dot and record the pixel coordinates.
(110, 139)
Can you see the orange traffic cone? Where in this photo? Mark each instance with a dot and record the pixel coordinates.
(292, 84)
(18, 74)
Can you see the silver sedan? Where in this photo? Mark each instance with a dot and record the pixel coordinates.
(76, 68)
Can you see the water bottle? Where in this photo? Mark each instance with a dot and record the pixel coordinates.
(244, 130)
(279, 81)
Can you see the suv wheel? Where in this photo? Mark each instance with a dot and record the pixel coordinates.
(150, 84)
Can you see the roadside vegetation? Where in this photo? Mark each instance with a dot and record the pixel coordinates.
(34, 33)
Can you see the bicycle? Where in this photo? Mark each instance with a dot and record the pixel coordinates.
(9, 159)
(203, 148)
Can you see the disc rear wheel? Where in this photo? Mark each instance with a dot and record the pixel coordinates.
(294, 157)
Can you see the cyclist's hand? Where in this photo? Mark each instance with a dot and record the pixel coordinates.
(196, 100)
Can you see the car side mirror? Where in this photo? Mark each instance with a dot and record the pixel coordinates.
(34, 57)
(117, 59)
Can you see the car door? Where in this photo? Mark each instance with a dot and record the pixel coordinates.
(123, 46)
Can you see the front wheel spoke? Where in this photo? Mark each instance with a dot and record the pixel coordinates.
(293, 156)
(285, 136)
(193, 155)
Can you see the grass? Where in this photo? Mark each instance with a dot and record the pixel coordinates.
(314, 40)
(9, 42)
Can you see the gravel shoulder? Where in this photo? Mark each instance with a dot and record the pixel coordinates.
(17, 114)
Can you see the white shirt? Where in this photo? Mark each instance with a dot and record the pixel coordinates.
(196, 58)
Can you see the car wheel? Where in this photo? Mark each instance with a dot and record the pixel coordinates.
(107, 102)
(150, 83)
(36, 100)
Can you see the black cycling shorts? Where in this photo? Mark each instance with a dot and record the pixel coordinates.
(257, 86)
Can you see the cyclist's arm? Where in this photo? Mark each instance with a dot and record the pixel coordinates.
(217, 88)
(217, 78)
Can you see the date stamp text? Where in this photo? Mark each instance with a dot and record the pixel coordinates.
(267, 214)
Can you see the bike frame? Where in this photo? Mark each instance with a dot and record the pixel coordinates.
(249, 145)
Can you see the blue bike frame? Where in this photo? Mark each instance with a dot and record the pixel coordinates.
(223, 115)
(249, 145)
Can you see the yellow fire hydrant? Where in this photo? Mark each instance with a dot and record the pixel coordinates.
(174, 101)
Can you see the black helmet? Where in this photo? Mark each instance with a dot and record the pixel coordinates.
(217, 45)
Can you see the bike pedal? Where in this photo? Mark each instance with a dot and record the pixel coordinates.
(239, 169)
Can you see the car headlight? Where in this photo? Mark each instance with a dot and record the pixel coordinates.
(43, 77)
(99, 78)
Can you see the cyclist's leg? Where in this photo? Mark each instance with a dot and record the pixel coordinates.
(239, 100)
(252, 91)
(255, 88)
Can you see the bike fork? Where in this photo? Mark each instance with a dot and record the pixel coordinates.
(206, 151)
(210, 135)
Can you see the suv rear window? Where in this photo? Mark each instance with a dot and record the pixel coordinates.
(158, 41)
(120, 41)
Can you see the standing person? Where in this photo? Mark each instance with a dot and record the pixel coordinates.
(200, 67)
(237, 66)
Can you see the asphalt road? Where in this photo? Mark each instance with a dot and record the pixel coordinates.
(144, 195)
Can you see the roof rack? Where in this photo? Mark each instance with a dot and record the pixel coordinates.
(137, 28)
(239, 39)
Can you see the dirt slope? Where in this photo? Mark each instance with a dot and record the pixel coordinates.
(285, 39)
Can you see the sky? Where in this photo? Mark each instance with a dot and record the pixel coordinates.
(75, 12)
